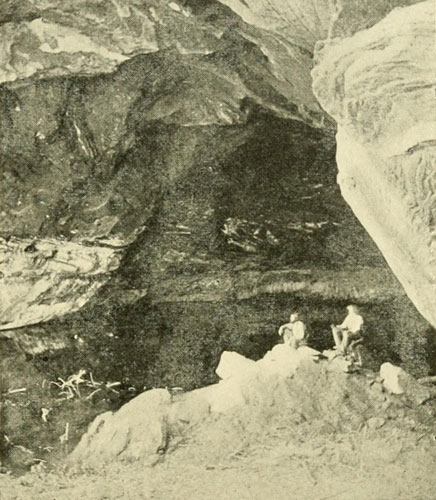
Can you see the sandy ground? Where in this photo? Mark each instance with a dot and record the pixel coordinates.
(358, 466)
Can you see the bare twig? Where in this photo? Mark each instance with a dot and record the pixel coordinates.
(15, 391)
(65, 436)
(427, 380)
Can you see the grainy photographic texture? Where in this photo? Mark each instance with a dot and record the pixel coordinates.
(217, 250)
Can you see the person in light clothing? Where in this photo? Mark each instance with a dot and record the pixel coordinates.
(349, 330)
(293, 333)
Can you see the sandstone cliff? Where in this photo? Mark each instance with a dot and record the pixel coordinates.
(143, 147)
(379, 87)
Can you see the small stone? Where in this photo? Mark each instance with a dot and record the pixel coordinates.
(391, 378)
(376, 422)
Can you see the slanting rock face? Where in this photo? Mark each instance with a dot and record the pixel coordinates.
(42, 279)
(48, 39)
(378, 87)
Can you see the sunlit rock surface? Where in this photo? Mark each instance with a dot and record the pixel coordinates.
(42, 279)
(288, 386)
(46, 39)
(50, 38)
(379, 87)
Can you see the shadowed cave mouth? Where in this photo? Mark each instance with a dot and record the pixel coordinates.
(255, 197)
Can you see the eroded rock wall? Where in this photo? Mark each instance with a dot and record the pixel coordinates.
(42, 279)
(379, 87)
(158, 150)
(90, 93)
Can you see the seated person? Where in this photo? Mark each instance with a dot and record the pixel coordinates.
(349, 330)
(294, 333)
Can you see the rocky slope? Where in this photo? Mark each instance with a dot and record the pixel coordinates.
(284, 416)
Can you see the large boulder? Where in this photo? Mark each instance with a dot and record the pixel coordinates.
(378, 85)
(138, 431)
(233, 364)
(243, 377)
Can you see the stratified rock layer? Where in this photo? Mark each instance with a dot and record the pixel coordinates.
(152, 132)
(52, 38)
(103, 106)
(378, 85)
(42, 279)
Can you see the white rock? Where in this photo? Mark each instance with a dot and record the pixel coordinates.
(135, 432)
(391, 377)
(175, 6)
(41, 279)
(283, 360)
(378, 86)
(233, 364)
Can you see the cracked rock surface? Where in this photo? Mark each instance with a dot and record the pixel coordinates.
(379, 87)
(144, 145)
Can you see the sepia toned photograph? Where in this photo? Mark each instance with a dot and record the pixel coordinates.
(217, 250)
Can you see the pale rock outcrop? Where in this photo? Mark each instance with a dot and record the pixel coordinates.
(52, 39)
(138, 431)
(240, 376)
(142, 427)
(379, 87)
(397, 381)
(41, 279)
(233, 364)
(390, 375)
(284, 388)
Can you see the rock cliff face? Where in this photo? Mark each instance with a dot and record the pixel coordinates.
(169, 187)
(135, 141)
(379, 87)
(105, 107)
(377, 83)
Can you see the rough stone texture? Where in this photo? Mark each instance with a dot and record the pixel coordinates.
(49, 38)
(95, 132)
(161, 150)
(378, 85)
(286, 388)
(42, 279)
(138, 431)
(306, 22)
(242, 377)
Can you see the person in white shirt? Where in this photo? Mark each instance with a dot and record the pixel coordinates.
(293, 333)
(350, 329)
